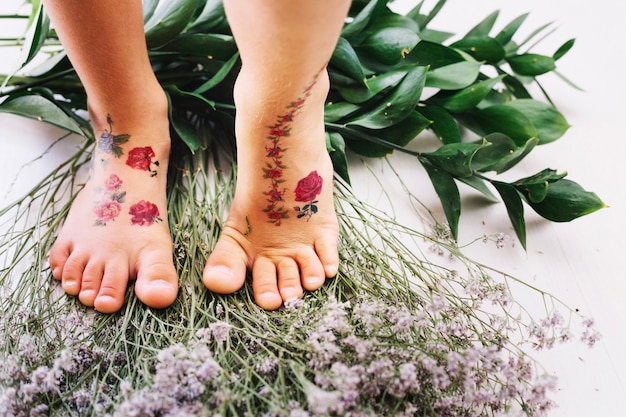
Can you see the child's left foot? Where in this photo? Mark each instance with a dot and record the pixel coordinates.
(282, 224)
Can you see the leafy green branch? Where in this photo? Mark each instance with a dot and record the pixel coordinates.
(392, 77)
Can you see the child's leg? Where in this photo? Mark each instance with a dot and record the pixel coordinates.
(282, 224)
(117, 227)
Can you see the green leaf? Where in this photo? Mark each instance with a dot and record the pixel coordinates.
(455, 158)
(514, 208)
(453, 76)
(442, 123)
(183, 128)
(565, 201)
(479, 185)
(434, 55)
(361, 20)
(345, 59)
(400, 134)
(212, 45)
(149, 6)
(516, 87)
(35, 36)
(39, 108)
(400, 103)
(535, 187)
(373, 86)
(563, 49)
(548, 122)
(390, 45)
(424, 20)
(211, 17)
(337, 149)
(501, 118)
(168, 21)
(512, 158)
(507, 33)
(219, 75)
(482, 29)
(448, 194)
(334, 112)
(481, 48)
(531, 64)
(466, 99)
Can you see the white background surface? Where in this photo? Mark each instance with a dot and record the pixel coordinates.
(581, 262)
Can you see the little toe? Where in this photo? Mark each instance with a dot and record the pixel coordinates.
(264, 284)
(59, 253)
(110, 296)
(90, 283)
(288, 279)
(225, 270)
(157, 283)
(326, 248)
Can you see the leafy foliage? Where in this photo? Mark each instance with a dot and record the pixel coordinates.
(377, 104)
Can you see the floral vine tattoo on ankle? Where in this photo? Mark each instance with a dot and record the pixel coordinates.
(307, 189)
(274, 168)
(110, 143)
(141, 158)
(110, 206)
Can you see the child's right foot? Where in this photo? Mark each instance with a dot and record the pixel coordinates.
(117, 227)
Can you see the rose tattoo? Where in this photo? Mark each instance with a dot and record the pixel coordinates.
(141, 158)
(307, 189)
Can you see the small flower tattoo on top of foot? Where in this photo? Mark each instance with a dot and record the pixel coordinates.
(144, 213)
(108, 208)
(307, 189)
(110, 143)
(141, 158)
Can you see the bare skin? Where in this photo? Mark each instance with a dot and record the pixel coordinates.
(287, 249)
(106, 241)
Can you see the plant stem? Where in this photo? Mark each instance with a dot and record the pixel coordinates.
(370, 138)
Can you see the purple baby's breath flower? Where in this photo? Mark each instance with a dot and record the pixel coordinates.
(220, 331)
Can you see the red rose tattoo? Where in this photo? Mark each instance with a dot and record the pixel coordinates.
(109, 207)
(307, 189)
(144, 213)
(141, 158)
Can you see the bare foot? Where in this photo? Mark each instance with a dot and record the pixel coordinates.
(117, 227)
(282, 224)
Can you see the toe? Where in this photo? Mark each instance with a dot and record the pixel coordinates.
(59, 253)
(90, 282)
(313, 274)
(264, 284)
(326, 248)
(110, 296)
(288, 279)
(72, 273)
(157, 281)
(225, 270)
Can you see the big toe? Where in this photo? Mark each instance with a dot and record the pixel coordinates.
(225, 270)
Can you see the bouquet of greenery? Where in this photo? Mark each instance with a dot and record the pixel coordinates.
(394, 333)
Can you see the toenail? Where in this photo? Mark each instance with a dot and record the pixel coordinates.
(331, 270)
(313, 281)
(160, 283)
(222, 270)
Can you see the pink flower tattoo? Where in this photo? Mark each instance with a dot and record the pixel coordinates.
(141, 158)
(307, 189)
(109, 207)
(144, 213)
